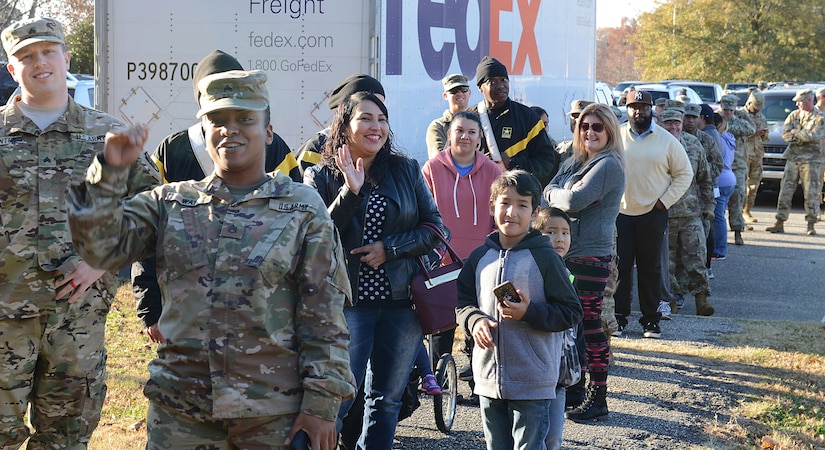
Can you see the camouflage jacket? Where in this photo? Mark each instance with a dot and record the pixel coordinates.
(806, 143)
(712, 152)
(253, 290)
(35, 171)
(740, 126)
(698, 199)
(755, 143)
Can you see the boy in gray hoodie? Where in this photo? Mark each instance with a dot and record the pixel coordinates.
(518, 342)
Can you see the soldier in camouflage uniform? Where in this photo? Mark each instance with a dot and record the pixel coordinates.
(686, 233)
(251, 271)
(53, 304)
(804, 130)
(565, 148)
(756, 150)
(740, 126)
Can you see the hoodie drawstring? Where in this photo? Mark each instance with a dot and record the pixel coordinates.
(455, 198)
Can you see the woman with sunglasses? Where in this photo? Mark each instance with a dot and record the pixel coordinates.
(589, 188)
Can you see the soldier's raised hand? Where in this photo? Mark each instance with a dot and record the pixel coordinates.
(124, 145)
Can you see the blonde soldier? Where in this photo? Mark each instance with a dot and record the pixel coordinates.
(256, 341)
(740, 126)
(53, 304)
(756, 150)
(804, 130)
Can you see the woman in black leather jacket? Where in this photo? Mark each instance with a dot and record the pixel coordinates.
(377, 198)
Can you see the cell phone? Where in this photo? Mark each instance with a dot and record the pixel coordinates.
(300, 441)
(506, 292)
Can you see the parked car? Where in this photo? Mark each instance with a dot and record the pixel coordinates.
(7, 83)
(739, 86)
(603, 93)
(708, 92)
(778, 104)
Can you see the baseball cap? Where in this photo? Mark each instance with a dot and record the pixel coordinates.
(577, 106)
(29, 31)
(707, 113)
(670, 114)
(802, 94)
(235, 89)
(455, 80)
(692, 109)
(729, 102)
(639, 97)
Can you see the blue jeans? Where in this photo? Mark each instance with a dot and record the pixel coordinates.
(554, 433)
(520, 424)
(720, 228)
(390, 339)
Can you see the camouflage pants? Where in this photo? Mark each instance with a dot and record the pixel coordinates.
(688, 252)
(810, 175)
(737, 200)
(57, 364)
(168, 429)
(754, 176)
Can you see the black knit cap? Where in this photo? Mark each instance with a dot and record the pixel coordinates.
(215, 62)
(354, 83)
(489, 67)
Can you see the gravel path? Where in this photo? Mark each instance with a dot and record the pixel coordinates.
(657, 400)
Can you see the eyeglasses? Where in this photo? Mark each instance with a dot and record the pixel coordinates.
(461, 89)
(596, 127)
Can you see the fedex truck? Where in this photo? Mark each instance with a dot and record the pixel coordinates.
(147, 52)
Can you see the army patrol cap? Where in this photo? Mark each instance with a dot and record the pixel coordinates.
(641, 97)
(660, 101)
(455, 80)
(729, 102)
(692, 109)
(820, 92)
(577, 106)
(675, 104)
(670, 114)
(29, 31)
(756, 98)
(803, 94)
(235, 89)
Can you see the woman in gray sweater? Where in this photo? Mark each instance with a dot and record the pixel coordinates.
(589, 187)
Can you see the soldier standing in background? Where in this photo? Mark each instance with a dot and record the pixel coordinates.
(54, 304)
(820, 99)
(756, 150)
(256, 340)
(803, 130)
(457, 93)
(740, 126)
(565, 148)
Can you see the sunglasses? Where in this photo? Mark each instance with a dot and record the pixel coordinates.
(462, 89)
(596, 127)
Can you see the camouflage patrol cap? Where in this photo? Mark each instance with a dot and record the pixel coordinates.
(692, 109)
(756, 98)
(675, 104)
(29, 31)
(577, 106)
(235, 89)
(670, 114)
(729, 102)
(802, 94)
(455, 80)
(660, 101)
(820, 92)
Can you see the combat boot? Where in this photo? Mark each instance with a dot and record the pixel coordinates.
(811, 231)
(746, 213)
(703, 307)
(737, 238)
(777, 227)
(593, 408)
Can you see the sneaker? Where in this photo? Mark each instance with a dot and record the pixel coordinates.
(619, 331)
(664, 308)
(652, 330)
(717, 257)
(429, 385)
(466, 374)
(710, 274)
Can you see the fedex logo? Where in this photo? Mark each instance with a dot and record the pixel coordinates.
(453, 15)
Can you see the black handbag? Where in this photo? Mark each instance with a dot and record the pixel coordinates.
(433, 291)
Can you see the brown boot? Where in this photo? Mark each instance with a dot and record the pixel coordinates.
(777, 227)
(703, 307)
(737, 238)
(811, 231)
(746, 213)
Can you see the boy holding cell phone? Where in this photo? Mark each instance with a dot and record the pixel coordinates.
(518, 343)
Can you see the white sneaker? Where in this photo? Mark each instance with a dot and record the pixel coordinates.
(664, 308)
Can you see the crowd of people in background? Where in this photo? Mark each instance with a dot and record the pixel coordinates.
(277, 284)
